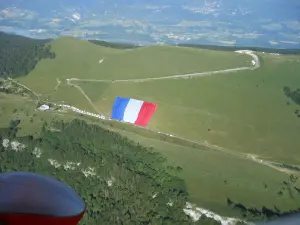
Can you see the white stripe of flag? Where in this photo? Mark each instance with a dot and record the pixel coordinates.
(132, 110)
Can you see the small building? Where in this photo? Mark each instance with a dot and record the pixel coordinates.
(44, 107)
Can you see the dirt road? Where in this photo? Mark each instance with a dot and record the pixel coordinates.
(187, 75)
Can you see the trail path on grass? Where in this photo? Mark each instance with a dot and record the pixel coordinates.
(256, 65)
(58, 84)
(85, 95)
(28, 89)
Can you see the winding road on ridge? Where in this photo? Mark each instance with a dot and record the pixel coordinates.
(188, 75)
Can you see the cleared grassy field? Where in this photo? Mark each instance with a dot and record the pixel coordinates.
(81, 59)
(16, 107)
(67, 94)
(245, 111)
(211, 176)
(95, 90)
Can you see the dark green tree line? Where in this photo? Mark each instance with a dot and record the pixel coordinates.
(292, 94)
(19, 55)
(136, 173)
(113, 45)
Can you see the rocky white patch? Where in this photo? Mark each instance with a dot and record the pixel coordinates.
(17, 146)
(155, 195)
(89, 172)
(37, 152)
(5, 143)
(170, 203)
(70, 165)
(110, 181)
(196, 212)
(54, 163)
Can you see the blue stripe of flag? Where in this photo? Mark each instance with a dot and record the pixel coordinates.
(119, 107)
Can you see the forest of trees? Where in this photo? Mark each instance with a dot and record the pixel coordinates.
(136, 173)
(19, 55)
(235, 48)
(209, 47)
(113, 45)
(294, 95)
(266, 213)
(7, 86)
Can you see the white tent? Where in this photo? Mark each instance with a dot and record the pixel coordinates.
(44, 107)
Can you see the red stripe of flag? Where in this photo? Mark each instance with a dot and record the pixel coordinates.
(145, 114)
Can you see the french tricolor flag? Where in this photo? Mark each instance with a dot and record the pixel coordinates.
(133, 111)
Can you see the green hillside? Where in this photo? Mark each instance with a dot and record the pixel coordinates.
(218, 120)
(80, 59)
(19, 55)
(245, 111)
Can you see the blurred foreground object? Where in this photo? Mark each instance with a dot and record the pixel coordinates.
(33, 199)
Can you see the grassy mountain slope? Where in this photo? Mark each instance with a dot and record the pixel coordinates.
(211, 176)
(19, 55)
(80, 59)
(245, 111)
